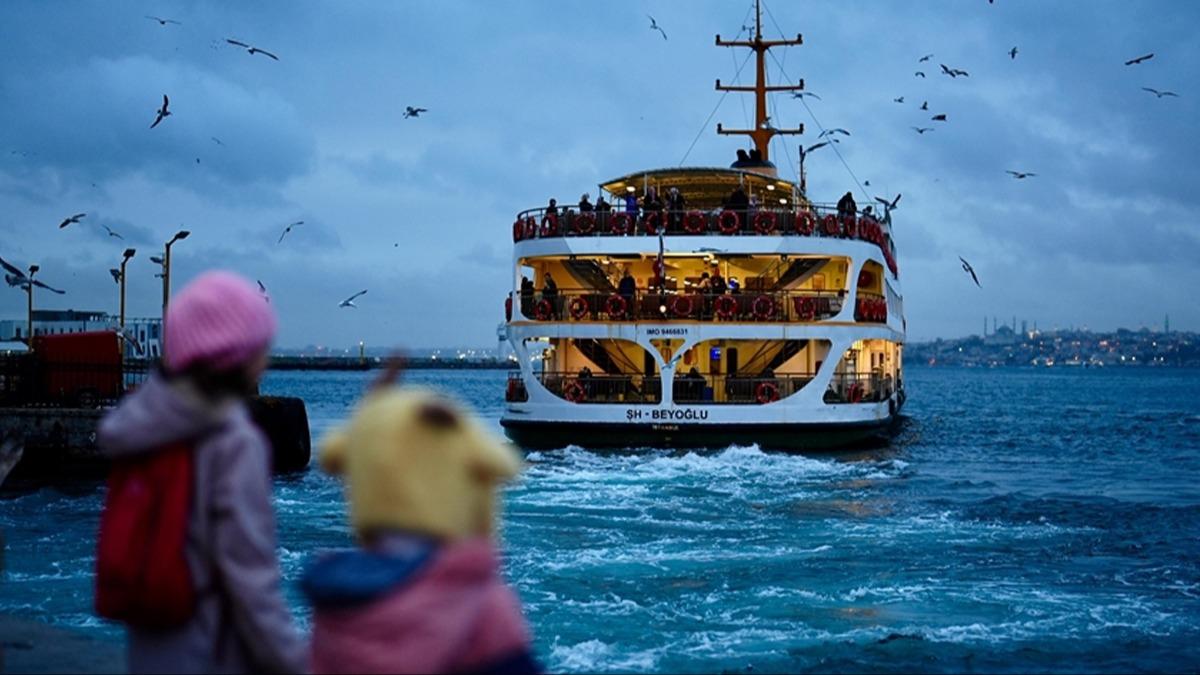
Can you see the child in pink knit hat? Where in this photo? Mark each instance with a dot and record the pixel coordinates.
(218, 333)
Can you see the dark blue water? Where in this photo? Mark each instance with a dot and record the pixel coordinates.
(1022, 521)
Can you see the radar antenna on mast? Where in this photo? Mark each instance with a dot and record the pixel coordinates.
(763, 131)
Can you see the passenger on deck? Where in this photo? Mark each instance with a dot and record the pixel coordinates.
(627, 287)
(602, 206)
(691, 386)
(846, 206)
(527, 291)
(705, 284)
(552, 208)
(550, 292)
(738, 202)
(676, 205)
(586, 381)
(717, 282)
(585, 206)
(631, 204)
(734, 287)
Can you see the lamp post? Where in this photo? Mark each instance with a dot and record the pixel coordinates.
(165, 261)
(29, 290)
(129, 253)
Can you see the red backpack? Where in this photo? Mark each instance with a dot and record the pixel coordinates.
(142, 575)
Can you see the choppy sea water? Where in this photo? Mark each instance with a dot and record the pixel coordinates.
(1021, 521)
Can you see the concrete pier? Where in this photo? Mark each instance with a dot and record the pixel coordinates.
(28, 646)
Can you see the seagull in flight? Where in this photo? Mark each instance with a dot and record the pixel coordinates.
(116, 275)
(217, 140)
(111, 233)
(953, 72)
(410, 111)
(940, 117)
(921, 130)
(72, 220)
(654, 26)
(16, 278)
(925, 105)
(1160, 94)
(162, 22)
(251, 49)
(289, 229)
(970, 270)
(898, 100)
(829, 132)
(925, 58)
(1012, 53)
(802, 94)
(162, 112)
(1134, 62)
(804, 151)
(263, 289)
(918, 74)
(349, 302)
(1020, 175)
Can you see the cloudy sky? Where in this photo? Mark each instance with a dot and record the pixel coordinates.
(535, 99)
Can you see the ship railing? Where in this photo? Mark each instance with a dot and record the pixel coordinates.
(541, 223)
(859, 388)
(602, 387)
(584, 305)
(701, 388)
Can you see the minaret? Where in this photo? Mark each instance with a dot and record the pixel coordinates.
(763, 129)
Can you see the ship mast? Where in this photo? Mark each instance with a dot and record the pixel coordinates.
(763, 129)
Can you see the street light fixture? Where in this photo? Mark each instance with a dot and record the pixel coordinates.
(165, 261)
(33, 269)
(129, 253)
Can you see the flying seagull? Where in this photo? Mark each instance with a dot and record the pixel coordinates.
(953, 72)
(1012, 53)
(829, 132)
(162, 112)
(15, 277)
(802, 94)
(970, 270)
(263, 289)
(1020, 175)
(898, 100)
(804, 151)
(918, 74)
(654, 26)
(1134, 62)
(349, 302)
(940, 117)
(72, 220)
(111, 233)
(925, 58)
(925, 105)
(1160, 94)
(410, 111)
(217, 140)
(289, 229)
(116, 275)
(921, 130)
(250, 49)
(163, 22)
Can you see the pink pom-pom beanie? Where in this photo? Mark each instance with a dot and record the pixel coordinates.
(219, 320)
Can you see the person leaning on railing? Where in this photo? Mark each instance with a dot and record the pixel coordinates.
(550, 292)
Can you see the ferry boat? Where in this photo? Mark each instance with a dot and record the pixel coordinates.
(703, 307)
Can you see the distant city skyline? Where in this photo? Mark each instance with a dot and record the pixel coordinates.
(537, 100)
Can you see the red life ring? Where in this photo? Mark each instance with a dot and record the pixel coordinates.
(807, 308)
(530, 228)
(763, 307)
(543, 310)
(616, 307)
(584, 223)
(855, 392)
(764, 222)
(518, 231)
(578, 308)
(574, 392)
(508, 308)
(805, 222)
(829, 225)
(850, 226)
(681, 305)
(729, 222)
(550, 225)
(620, 223)
(693, 222)
(652, 221)
(725, 307)
(766, 392)
(865, 278)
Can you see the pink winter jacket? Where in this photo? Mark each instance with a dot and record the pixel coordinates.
(433, 609)
(241, 622)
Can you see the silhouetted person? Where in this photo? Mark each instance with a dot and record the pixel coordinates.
(552, 208)
(627, 287)
(675, 207)
(846, 206)
(550, 292)
(527, 292)
(716, 283)
(585, 206)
